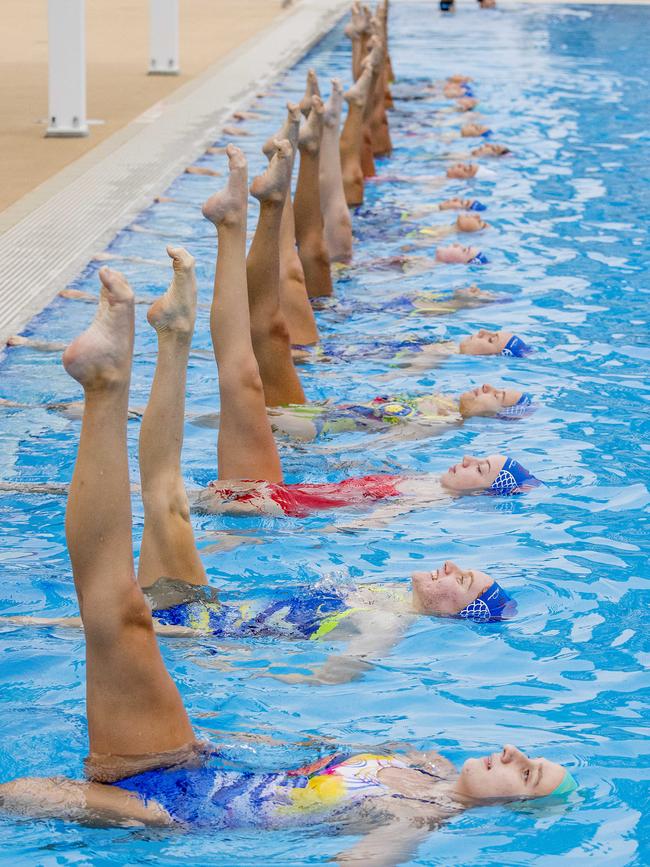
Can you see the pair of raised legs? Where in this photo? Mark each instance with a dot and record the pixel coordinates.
(136, 717)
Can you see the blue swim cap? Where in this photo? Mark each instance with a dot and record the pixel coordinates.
(512, 479)
(467, 88)
(523, 407)
(479, 259)
(477, 206)
(517, 347)
(493, 604)
(486, 134)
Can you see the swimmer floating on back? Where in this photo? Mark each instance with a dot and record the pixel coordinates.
(425, 415)
(416, 352)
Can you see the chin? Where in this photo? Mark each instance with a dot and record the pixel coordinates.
(446, 480)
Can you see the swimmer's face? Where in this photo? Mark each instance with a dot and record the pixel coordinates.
(509, 774)
(453, 90)
(447, 590)
(471, 130)
(474, 293)
(472, 474)
(466, 103)
(462, 171)
(455, 205)
(490, 150)
(485, 342)
(455, 254)
(487, 400)
(470, 223)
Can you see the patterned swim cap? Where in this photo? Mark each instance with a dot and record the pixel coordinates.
(479, 259)
(512, 479)
(493, 604)
(517, 347)
(522, 408)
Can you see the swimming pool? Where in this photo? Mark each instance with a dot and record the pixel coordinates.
(566, 88)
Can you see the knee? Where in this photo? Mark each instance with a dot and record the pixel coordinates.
(315, 251)
(294, 272)
(165, 497)
(106, 619)
(244, 378)
(278, 329)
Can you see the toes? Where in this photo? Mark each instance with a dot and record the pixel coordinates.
(115, 284)
(180, 257)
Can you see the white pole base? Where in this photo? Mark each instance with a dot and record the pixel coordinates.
(163, 37)
(66, 114)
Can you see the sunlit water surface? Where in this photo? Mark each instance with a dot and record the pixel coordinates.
(567, 89)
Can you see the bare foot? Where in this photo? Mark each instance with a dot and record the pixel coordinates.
(333, 106)
(101, 356)
(77, 295)
(246, 115)
(228, 206)
(34, 343)
(235, 131)
(175, 311)
(289, 130)
(272, 185)
(359, 23)
(311, 89)
(312, 130)
(201, 170)
(358, 93)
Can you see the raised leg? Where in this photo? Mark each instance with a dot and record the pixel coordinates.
(307, 207)
(351, 139)
(269, 330)
(246, 448)
(133, 706)
(336, 216)
(294, 301)
(168, 549)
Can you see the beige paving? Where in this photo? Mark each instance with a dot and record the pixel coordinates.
(118, 87)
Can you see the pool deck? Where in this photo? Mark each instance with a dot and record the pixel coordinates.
(50, 233)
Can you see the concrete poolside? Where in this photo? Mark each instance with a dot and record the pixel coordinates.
(118, 86)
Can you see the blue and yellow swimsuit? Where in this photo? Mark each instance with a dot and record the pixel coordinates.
(211, 797)
(311, 614)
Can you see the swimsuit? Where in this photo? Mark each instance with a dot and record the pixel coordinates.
(299, 500)
(312, 613)
(211, 797)
(391, 349)
(378, 413)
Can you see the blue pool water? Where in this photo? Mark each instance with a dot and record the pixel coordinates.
(567, 89)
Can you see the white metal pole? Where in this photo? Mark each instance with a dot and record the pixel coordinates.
(163, 37)
(66, 25)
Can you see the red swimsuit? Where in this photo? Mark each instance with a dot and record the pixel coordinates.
(299, 500)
